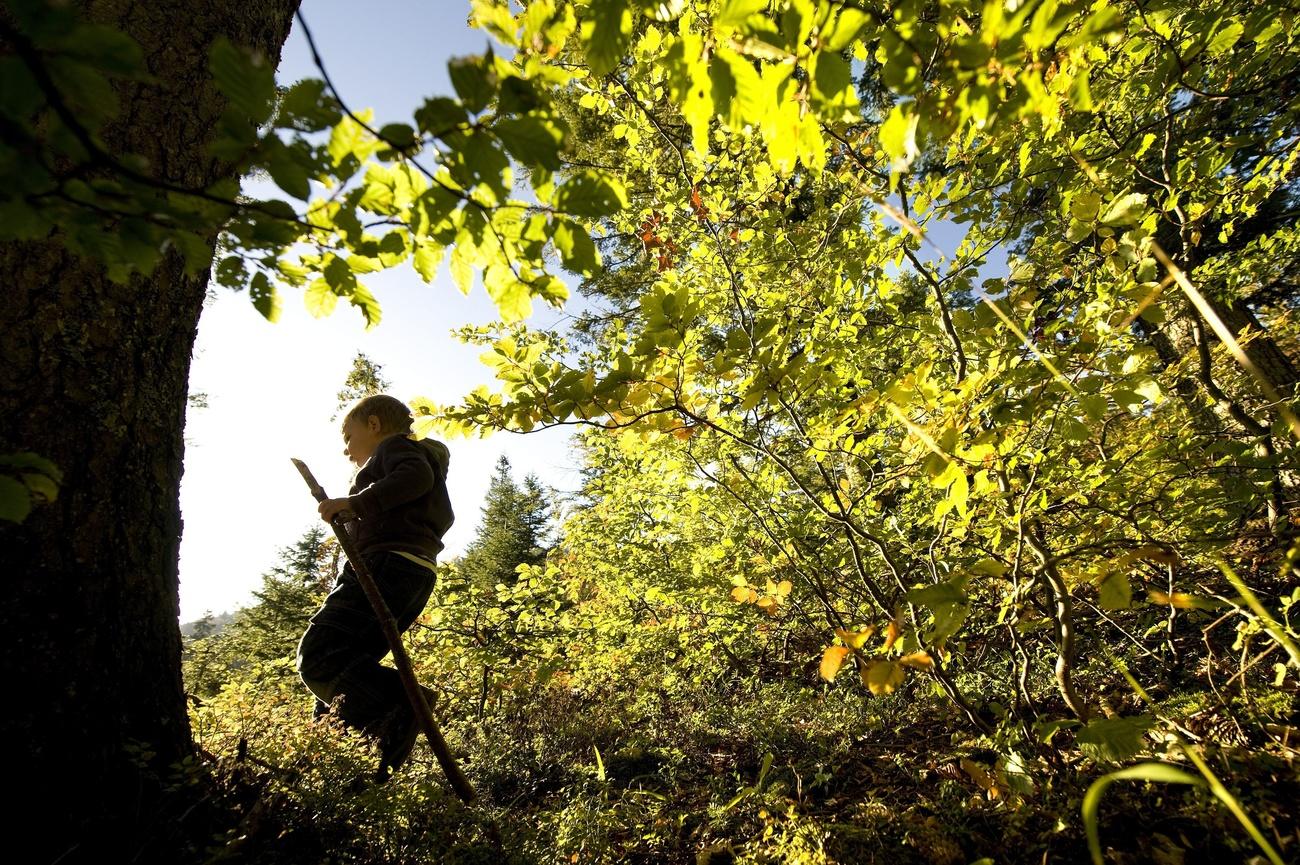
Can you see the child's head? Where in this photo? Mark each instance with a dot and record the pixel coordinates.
(369, 421)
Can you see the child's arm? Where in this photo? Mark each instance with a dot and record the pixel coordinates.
(407, 475)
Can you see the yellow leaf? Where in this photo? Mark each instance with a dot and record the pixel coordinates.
(981, 777)
(767, 603)
(832, 660)
(855, 639)
(1183, 601)
(893, 633)
(883, 677)
(783, 588)
(740, 594)
(918, 660)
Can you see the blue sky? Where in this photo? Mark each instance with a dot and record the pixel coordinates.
(272, 387)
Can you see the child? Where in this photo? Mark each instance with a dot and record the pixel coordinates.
(398, 511)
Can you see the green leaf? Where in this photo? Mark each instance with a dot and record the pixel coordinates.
(834, 94)
(843, 30)
(898, 138)
(440, 116)
(549, 288)
(462, 268)
(690, 85)
(482, 161)
(1114, 738)
(398, 135)
(1116, 592)
(43, 487)
(533, 141)
(1093, 405)
(15, 501)
(1148, 389)
(1081, 91)
(512, 297)
(494, 16)
(736, 12)
(606, 33)
(1225, 37)
(244, 77)
(393, 248)
(432, 208)
(518, 96)
(1125, 209)
(20, 94)
(264, 297)
(350, 139)
(106, 48)
(576, 248)
(320, 299)
(428, 256)
(1085, 206)
(475, 80)
(287, 169)
(35, 462)
(363, 300)
(738, 91)
(307, 108)
(938, 594)
(88, 91)
(590, 193)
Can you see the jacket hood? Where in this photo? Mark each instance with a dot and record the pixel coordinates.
(437, 454)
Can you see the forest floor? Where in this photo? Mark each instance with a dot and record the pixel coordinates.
(780, 772)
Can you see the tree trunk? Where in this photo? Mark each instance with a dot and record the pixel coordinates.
(95, 379)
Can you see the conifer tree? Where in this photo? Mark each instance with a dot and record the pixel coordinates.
(268, 630)
(513, 533)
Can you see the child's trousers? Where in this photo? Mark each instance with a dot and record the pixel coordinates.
(340, 652)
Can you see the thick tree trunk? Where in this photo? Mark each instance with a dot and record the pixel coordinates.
(95, 378)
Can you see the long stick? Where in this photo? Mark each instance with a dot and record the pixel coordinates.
(405, 670)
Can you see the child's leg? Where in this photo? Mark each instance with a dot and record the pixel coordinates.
(341, 650)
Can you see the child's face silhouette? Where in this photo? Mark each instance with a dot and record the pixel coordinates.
(360, 437)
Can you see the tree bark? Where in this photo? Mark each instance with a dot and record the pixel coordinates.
(95, 378)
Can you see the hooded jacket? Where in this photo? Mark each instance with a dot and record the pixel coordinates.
(400, 497)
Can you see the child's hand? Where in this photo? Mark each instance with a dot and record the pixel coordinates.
(335, 507)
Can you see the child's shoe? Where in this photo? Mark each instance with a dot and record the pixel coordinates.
(399, 734)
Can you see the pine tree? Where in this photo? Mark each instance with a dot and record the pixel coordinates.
(268, 630)
(514, 530)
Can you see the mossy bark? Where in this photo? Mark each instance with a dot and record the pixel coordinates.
(95, 378)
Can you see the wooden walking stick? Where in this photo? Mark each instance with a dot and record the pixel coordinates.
(423, 713)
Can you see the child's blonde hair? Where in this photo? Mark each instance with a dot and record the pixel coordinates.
(393, 414)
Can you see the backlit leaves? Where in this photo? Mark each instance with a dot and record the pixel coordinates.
(590, 193)
(606, 29)
(832, 660)
(898, 138)
(245, 78)
(1114, 738)
(883, 677)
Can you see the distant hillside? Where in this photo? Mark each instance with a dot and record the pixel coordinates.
(212, 624)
